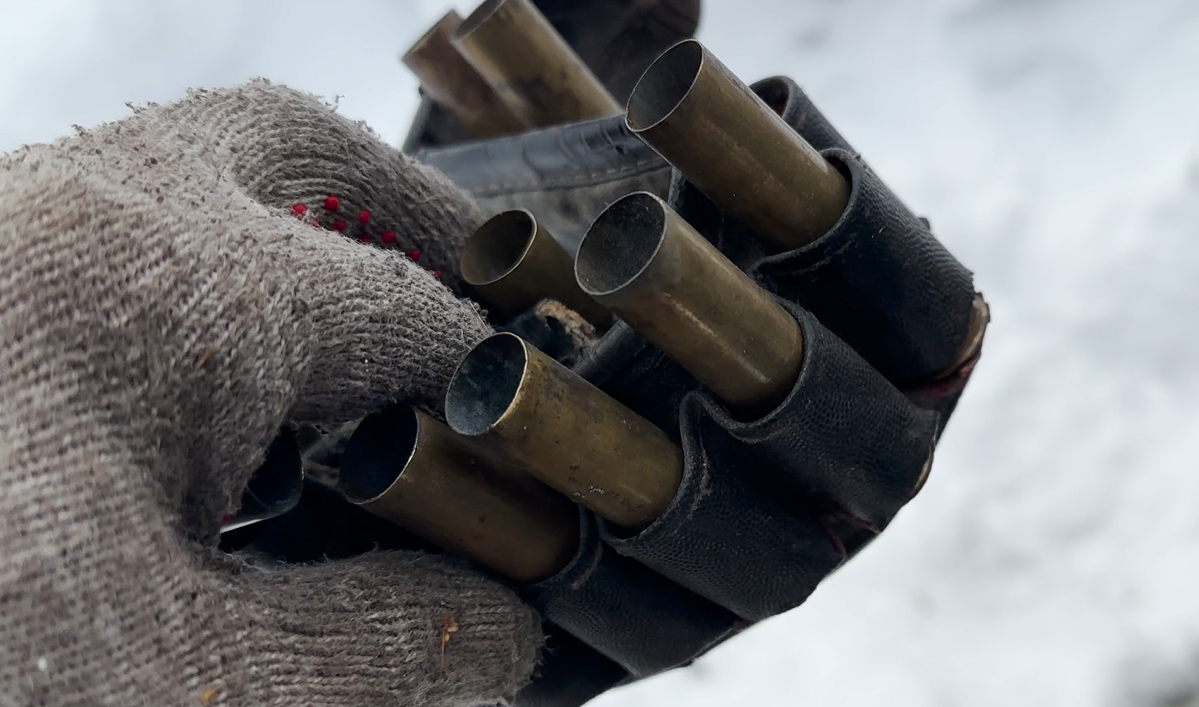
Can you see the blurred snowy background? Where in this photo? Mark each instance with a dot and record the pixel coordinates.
(1054, 556)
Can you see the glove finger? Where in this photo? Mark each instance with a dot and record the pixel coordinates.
(381, 628)
(155, 335)
(201, 317)
(283, 147)
(381, 329)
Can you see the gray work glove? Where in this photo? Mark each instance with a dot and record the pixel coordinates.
(163, 310)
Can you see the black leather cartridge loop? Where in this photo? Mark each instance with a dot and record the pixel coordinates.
(797, 110)
(570, 673)
(631, 615)
(753, 525)
(880, 281)
(727, 539)
(844, 435)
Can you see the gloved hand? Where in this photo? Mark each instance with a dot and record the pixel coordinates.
(163, 310)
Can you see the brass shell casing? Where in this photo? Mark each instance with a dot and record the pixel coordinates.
(535, 412)
(514, 263)
(407, 467)
(649, 266)
(530, 66)
(451, 82)
(726, 141)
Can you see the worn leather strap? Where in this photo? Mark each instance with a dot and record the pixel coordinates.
(565, 176)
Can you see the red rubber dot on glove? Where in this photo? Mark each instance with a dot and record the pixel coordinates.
(299, 209)
(363, 238)
(437, 274)
(413, 255)
(332, 203)
(364, 217)
(339, 225)
(388, 237)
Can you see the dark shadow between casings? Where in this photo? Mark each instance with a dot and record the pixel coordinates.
(276, 485)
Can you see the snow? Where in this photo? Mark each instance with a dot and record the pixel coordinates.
(1055, 146)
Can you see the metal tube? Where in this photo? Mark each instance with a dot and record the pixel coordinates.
(450, 80)
(514, 263)
(649, 266)
(530, 66)
(405, 466)
(727, 142)
(275, 488)
(566, 432)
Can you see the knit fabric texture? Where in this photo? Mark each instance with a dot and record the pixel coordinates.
(163, 311)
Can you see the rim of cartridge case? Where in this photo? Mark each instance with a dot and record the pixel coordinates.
(378, 454)
(664, 85)
(438, 27)
(478, 17)
(616, 249)
(486, 384)
(514, 250)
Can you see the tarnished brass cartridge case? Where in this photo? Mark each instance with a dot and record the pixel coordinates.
(537, 413)
(726, 141)
(406, 467)
(276, 486)
(514, 263)
(530, 66)
(649, 266)
(450, 80)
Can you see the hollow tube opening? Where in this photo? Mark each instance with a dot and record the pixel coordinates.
(620, 244)
(378, 453)
(664, 85)
(485, 384)
(476, 19)
(497, 247)
(278, 483)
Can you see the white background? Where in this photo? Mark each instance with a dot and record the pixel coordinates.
(1053, 558)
